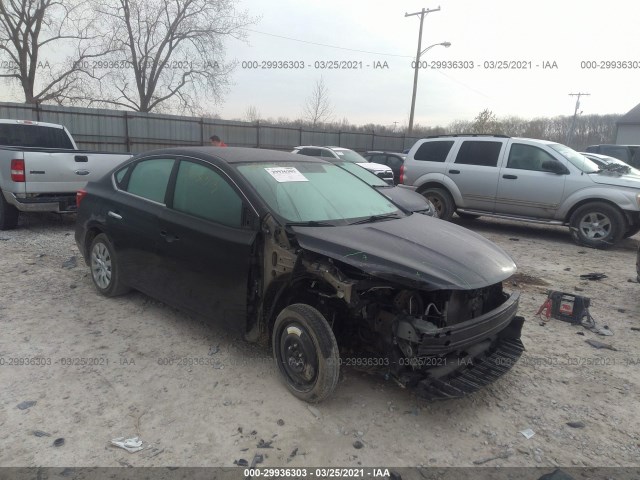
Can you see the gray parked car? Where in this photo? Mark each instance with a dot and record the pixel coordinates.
(528, 180)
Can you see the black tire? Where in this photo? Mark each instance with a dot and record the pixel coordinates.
(442, 200)
(631, 231)
(8, 214)
(597, 225)
(104, 267)
(306, 352)
(467, 216)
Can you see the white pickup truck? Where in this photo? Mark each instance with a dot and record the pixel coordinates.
(41, 169)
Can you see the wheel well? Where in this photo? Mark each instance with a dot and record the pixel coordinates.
(427, 185)
(298, 292)
(92, 233)
(592, 200)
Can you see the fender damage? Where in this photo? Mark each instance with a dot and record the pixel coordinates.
(419, 301)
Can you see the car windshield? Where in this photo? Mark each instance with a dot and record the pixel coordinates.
(349, 155)
(363, 174)
(579, 161)
(315, 192)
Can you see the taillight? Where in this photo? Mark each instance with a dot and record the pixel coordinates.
(17, 170)
(80, 194)
(401, 179)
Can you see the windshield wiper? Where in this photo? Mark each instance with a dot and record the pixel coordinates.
(310, 223)
(376, 218)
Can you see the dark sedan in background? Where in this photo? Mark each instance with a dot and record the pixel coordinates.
(294, 251)
(393, 160)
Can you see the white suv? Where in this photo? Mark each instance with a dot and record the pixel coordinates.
(347, 155)
(525, 179)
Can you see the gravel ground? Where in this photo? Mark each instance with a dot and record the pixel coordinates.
(221, 399)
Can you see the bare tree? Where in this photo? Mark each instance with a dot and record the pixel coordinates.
(485, 122)
(32, 35)
(252, 114)
(172, 52)
(317, 108)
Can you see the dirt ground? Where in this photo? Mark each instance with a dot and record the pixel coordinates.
(197, 396)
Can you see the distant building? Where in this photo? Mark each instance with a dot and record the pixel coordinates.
(628, 127)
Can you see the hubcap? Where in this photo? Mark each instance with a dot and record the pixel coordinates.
(101, 265)
(298, 355)
(595, 226)
(437, 204)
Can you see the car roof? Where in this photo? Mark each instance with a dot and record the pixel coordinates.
(235, 154)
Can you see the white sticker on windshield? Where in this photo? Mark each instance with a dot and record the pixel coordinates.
(286, 174)
(340, 153)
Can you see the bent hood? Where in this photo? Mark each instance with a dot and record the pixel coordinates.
(611, 178)
(417, 251)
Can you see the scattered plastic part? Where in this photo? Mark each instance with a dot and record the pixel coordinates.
(263, 444)
(58, 442)
(26, 404)
(575, 424)
(597, 344)
(71, 263)
(131, 445)
(241, 462)
(257, 458)
(528, 433)
(40, 433)
(593, 276)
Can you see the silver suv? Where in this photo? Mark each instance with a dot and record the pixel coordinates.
(525, 179)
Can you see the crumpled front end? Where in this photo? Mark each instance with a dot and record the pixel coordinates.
(442, 343)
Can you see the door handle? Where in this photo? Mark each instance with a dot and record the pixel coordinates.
(454, 171)
(81, 158)
(169, 237)
(114, 215)
(510, 177)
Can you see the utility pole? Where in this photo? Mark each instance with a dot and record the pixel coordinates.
(422, 14)
(575, 114)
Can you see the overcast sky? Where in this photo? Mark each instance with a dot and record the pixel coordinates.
(560, 34)
(566, 32)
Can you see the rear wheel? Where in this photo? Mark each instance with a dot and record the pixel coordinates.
(104, 267)
(306, 352)
(8, 214)
(598, 225)
(441, 200)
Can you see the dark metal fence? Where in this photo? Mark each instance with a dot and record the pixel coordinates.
(116, 130)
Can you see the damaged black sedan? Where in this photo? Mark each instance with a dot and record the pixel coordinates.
(297, 252)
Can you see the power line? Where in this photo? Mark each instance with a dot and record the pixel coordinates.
(330, 46)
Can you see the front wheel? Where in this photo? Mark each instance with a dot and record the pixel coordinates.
(306, 352)
(104, 267)
(597, 225)
(442, 201)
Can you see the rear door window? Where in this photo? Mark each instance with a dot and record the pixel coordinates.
(149, 178)
(204, 193)
(479, 153)
(433, 151)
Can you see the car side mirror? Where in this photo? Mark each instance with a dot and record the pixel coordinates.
(554, 166)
